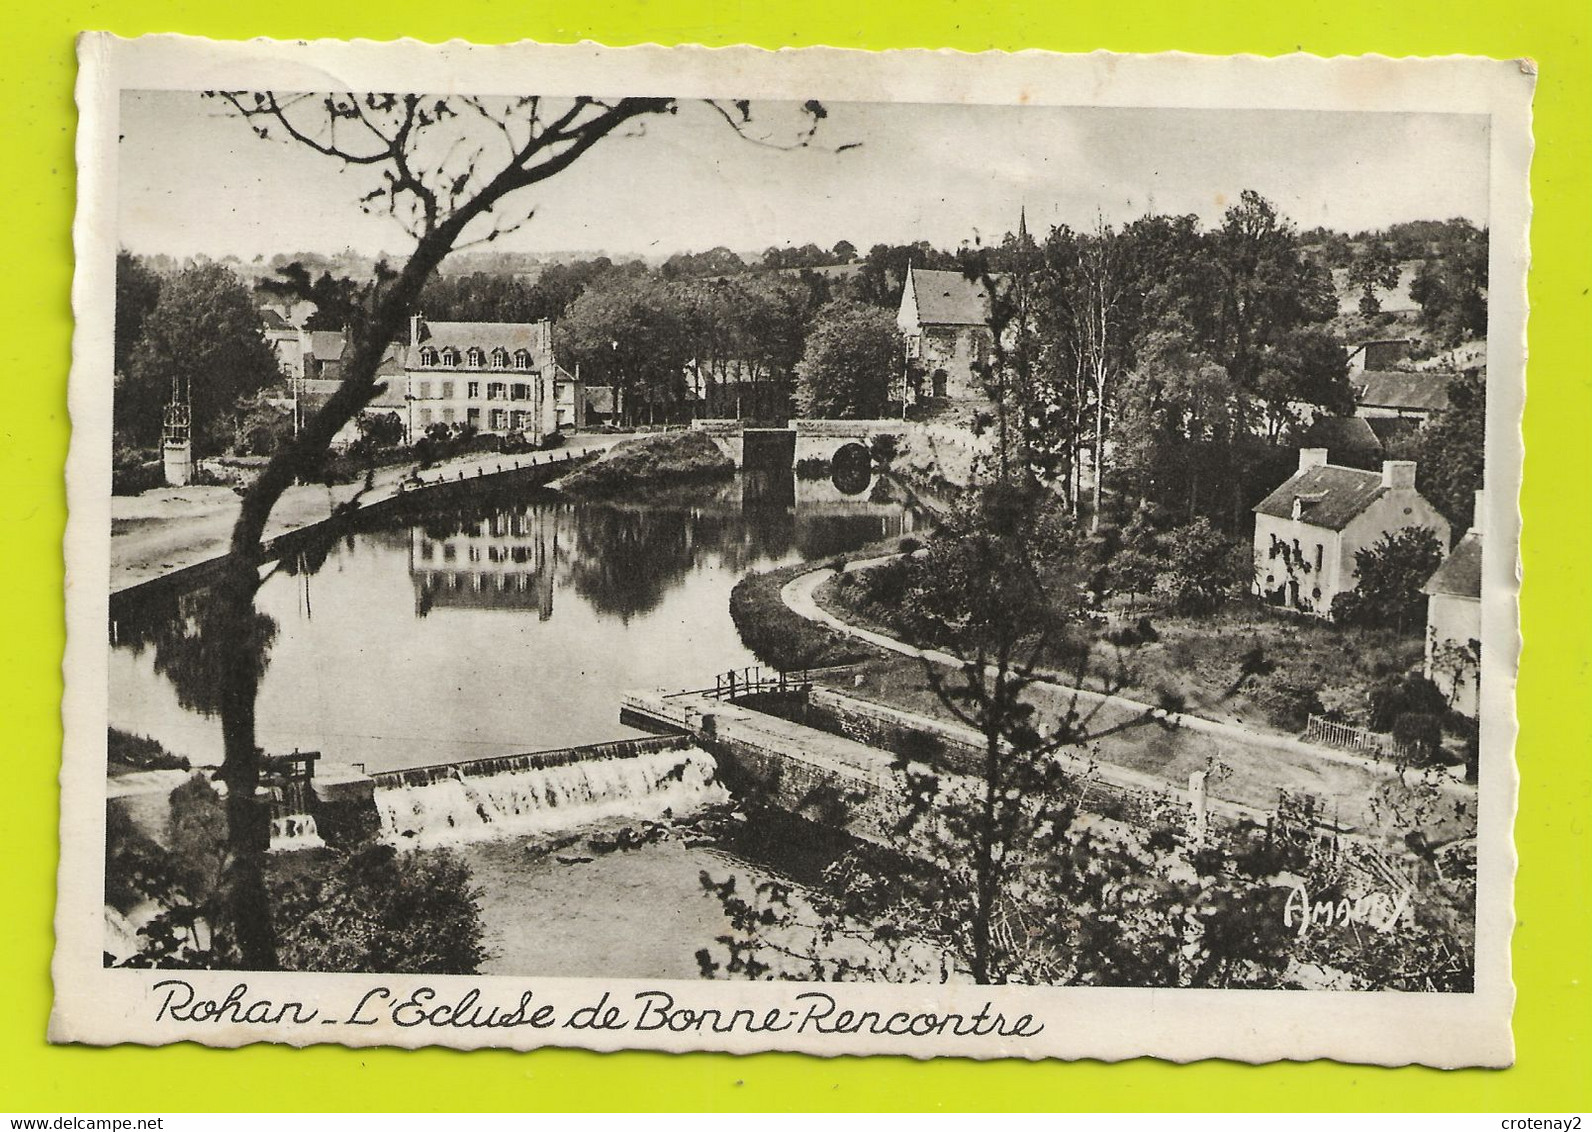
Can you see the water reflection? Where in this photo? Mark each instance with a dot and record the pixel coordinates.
(412, 642)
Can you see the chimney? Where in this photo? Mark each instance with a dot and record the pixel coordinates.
(1397, 474)
(414, 330)
(1312, 458)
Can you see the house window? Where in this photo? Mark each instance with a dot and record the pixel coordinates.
(472, 417)
(519, 418)
(423, 390)
(1320, 552)
(447, 416)
(472, 389)
(500, 358)
(428, 356)
(475, 359)
(450, 357)
(450, 553)
(447, 391)
(522, 359)
(500, 420)
(521, 392)
(427, 551)
(496, 391)
(425, 417)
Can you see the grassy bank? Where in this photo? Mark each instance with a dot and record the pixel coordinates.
(783, 638)
(662, 458)
(1241, 664)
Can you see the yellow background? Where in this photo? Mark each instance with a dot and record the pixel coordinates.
(1553, 943)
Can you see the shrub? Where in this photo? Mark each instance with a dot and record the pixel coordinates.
(812, 468)
(1419, 729)
(885, 447)
(1404, 695)
(1288, 703)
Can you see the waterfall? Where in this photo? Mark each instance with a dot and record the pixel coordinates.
(295, 831)
(462, 807)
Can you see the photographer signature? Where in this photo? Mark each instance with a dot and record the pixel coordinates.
(1379, 910)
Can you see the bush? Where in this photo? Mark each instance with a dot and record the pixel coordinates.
(1288, 703)
(1419, 729)
(812, 468)
(378, 911)
(1412, 694)
(885, 447)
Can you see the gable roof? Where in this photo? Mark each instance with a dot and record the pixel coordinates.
(1332, 496)
(949, 298)
(1460, 573)
(1426, 391)
(327, 345)
(1343, 434)
(271, 319)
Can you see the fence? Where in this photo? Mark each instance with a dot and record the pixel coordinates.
(1349, 737)
(748, 681)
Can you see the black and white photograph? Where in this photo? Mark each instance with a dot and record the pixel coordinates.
(998, 556)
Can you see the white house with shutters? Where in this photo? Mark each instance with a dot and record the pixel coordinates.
(497, 377)
(1309, 529)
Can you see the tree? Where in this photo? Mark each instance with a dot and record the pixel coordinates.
(337, 300)
(1390, 576)
(1373, 268)
(1203, 566)
(1452, 451)
(851, 359)
(137, 292)
(450, 170)
(1451, 286)
(203, 339)
(630, 332)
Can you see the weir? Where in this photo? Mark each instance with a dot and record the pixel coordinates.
(649, 781)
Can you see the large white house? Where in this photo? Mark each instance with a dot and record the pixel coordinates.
(497, 377)
(1309, 529)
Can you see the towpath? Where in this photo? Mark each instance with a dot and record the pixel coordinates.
(169, 529)
(1171, 745)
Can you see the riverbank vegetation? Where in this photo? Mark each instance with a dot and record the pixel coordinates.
(654, 460)
(364, 908)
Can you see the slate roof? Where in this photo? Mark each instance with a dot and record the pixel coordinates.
(271, 319)
(600, 399)
(1342, 435)
(1400, 436)
(488, 336)
(949, 298)
(1425, 391)
(1460, 573)
(1333, 496)
(327, 345)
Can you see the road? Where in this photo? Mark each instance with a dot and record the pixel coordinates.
(169, 529)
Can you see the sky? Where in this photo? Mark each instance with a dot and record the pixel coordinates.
(193, 180)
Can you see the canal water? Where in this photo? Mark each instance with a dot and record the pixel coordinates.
(493, 625)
